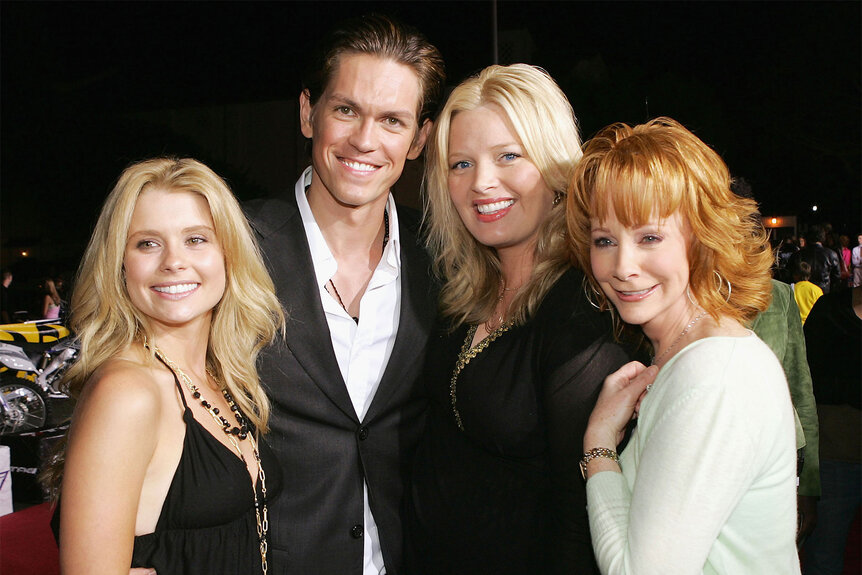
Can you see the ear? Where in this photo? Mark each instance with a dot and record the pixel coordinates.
(419, 140)
(305, 114)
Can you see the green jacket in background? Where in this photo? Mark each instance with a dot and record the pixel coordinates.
(780, 326)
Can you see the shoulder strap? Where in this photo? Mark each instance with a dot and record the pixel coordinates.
(177, 382)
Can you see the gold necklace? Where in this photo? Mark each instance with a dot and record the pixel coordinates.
(234, 435)
(467, 353)
(490, 327)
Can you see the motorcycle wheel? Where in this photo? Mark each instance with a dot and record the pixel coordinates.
(24, 407)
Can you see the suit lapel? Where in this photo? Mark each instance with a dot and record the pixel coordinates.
(418, 306)
(289, 260)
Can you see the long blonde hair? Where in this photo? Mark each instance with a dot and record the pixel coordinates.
(105, 321)
(660, 168)
(545, 124)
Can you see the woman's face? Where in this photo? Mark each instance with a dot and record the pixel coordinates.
(644, 270)
(499, 193)
(174, 263)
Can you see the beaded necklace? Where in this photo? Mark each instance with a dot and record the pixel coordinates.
(234, 434)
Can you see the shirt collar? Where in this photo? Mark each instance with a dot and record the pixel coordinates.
(325, 264)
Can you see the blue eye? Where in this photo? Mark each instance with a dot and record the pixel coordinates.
(651, 239)
(460, 165)
(602, 242)
(510, 156)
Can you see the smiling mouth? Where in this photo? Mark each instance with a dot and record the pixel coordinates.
(486, 209)
(633, 295)
(176, 288)
(358, 166)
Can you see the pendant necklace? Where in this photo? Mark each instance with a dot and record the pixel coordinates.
(385, 241)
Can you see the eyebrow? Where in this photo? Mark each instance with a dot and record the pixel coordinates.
(344, 100)
(188, 230)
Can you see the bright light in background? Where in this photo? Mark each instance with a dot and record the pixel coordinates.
(774, 221)
(813, 208)
(24, 254)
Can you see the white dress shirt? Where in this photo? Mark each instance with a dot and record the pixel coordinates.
(362, 349)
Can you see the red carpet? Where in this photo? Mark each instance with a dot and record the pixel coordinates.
(27, 546)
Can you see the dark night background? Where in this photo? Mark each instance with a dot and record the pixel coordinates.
(774, 87)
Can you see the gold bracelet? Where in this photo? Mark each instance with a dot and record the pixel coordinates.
(594, 453)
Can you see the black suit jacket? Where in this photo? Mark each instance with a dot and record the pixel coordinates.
(825, 267)
(316, 524)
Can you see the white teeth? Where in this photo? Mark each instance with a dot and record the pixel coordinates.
(641, 292)
(495, 207)
(176, 288)
(359, 166)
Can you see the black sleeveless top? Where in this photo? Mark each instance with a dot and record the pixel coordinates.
(207, 524)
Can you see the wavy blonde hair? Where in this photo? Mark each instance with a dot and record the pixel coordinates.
(656, 170)
(105, 321)
(545, 124)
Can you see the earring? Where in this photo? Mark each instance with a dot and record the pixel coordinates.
(558, 197)
(689, 296)
(590, 291)
(721, 281)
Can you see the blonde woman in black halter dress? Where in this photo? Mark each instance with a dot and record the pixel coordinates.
(165, 465)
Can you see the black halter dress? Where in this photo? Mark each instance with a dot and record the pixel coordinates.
(207, 524)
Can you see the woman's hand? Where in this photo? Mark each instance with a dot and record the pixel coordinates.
(617, 404)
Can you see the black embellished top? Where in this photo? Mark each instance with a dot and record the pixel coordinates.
(504, 495)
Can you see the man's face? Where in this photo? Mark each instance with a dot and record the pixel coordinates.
(363, 128)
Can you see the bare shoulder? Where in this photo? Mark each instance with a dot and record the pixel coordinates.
(124, 385)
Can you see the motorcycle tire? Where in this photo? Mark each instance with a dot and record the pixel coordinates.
(25, 407)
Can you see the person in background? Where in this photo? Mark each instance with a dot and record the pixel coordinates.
(856, 263)
(825, 267)
(786, 249)
(780, 327)
(707, 480)
(5, 316)
(166, 466)
(518, 355)
(833, 334)
(51, 301)
(804, 292)
(846, 258)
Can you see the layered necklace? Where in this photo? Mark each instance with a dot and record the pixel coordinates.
(235, 434)
(385, 241)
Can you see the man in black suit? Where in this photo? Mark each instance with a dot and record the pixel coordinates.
(355, 283)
